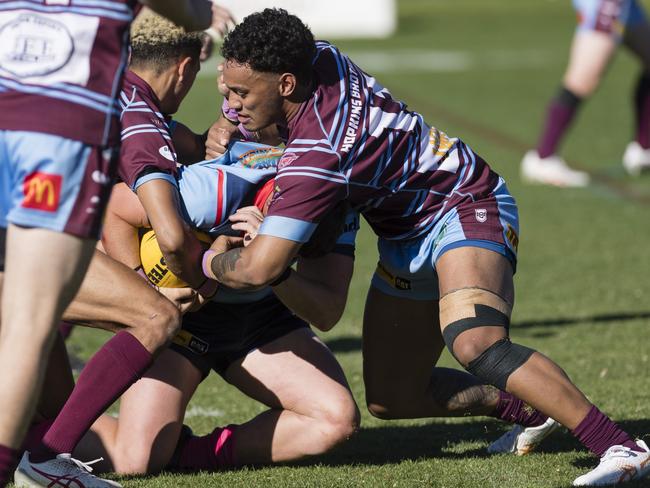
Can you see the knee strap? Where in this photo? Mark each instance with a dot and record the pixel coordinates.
(469, 308)
(499, 361)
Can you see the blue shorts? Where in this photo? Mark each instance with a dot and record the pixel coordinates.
(609, 16)
(407, 269)
(54, 183)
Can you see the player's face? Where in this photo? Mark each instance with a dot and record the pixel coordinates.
(254, 95)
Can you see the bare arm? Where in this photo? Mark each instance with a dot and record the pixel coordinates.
(318, 290)
(124, 216)
(180, 247)
(191, 14)
(252, 267)
(190, 147)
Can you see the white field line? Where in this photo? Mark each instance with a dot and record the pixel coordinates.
(197, 411)
(192, 412)
(432, 60)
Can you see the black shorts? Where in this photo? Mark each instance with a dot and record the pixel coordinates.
(221, 333)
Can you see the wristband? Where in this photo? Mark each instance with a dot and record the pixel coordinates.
(282, 278)
(208, 289)
(206, 264)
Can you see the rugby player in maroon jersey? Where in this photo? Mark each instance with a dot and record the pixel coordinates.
(62, 104)
(447, 228)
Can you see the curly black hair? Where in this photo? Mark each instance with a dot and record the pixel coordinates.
(272, 41)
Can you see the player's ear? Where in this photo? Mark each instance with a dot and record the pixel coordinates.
(287, 84)
(184, 67)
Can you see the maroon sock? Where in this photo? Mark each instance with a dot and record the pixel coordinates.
(209, 452)
(559, 115)
(108, 374)
(515, 411)
(8, 458)
(642, 110)
(598, 433)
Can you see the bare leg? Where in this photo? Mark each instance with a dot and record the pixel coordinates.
(407, 385)
(38, 286)
(113, 297)
(150, 420)
(591, 53)
(539, 381)
(312, 408)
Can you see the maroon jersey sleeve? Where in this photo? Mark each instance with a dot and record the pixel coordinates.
(145, 155)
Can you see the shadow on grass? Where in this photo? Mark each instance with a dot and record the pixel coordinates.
(353, 343)
(608, 317)
(392, 444)
(395, 444)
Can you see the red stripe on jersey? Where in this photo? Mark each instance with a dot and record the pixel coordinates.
(220, 193)
(263, 194)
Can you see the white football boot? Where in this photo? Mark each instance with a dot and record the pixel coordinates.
(618, 465)
(523, 440)
(636, 160)
(552, 170)
(62, 471)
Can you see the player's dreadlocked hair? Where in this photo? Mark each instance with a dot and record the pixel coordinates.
(157, 42)
(272, 41)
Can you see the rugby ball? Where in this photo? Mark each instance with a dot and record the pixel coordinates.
(153, 261)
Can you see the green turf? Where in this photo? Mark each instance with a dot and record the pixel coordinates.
(582, 281)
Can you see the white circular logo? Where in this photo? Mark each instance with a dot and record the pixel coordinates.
(33, 45)
(166, 153)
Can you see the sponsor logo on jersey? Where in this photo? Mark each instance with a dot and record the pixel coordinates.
(395, 281)
(167, 153)
(513, 238)
(42, 191)
(262, 158)
(286, 159)
(355, 106)
(480, 214)
(276, 195)
(35, 45)
(191, 342)
(440, 142)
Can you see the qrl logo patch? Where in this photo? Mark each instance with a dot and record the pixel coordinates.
(42, 191)
(481, 214)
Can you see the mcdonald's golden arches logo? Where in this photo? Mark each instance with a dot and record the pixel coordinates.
(42, 191)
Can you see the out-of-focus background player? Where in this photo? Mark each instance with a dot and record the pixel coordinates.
(602, 26)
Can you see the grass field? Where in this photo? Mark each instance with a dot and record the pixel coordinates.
(484, 70)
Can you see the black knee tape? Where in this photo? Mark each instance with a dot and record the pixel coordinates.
(568, 98)
(499, 361)
(3, 245)
(485, 316)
